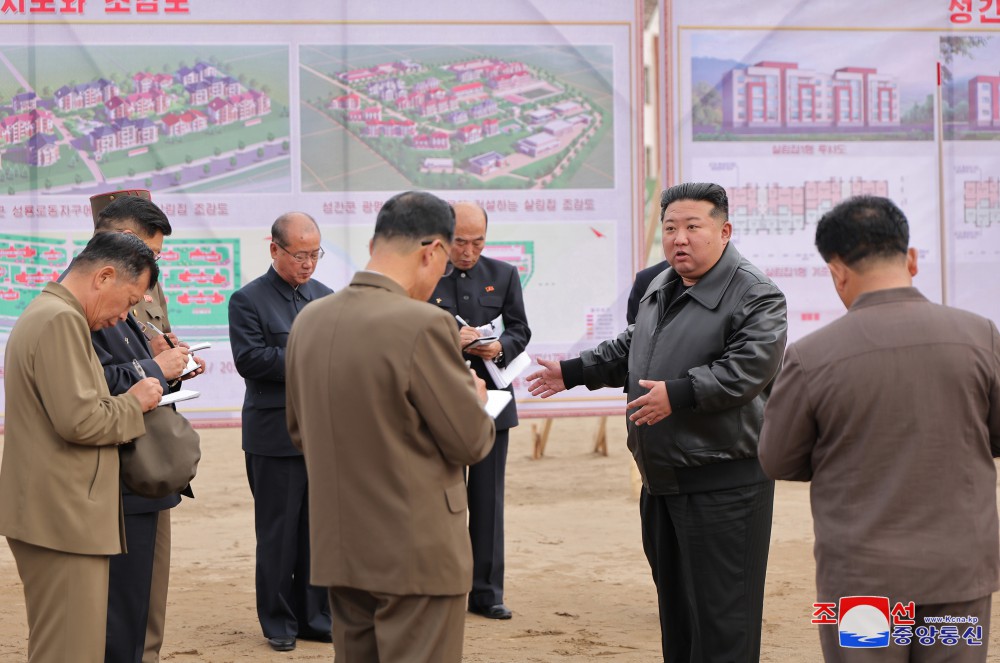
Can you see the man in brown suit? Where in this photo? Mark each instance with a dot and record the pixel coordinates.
(893, 413)
(60, 506)
(387, 415)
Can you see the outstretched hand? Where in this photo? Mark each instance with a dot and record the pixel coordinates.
(548, 381)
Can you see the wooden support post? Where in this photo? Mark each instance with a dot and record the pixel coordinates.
(540, 438)
(601, 437)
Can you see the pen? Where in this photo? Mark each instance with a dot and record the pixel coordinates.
(165, 337)
(457, 317)
(138, 369)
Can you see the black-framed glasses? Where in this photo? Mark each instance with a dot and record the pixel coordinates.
(448, 267)
(302, 256)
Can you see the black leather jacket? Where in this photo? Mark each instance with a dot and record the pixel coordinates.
(728, 339)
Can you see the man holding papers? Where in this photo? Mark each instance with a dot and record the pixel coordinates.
(485, 297)
(137, 593)
(59, 495)
(387, 414)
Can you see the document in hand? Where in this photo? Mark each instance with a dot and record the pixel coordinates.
(192, 365)
(182, 395)
(496, 401)
(502, 377)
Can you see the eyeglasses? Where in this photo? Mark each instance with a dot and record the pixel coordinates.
(302, 256)
(448, 267)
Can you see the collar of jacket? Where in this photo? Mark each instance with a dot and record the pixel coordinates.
(377, 280)
(63, 293)
(286, 290)
(886, 296)
(710, 288)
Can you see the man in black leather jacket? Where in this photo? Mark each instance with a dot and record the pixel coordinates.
(697, 365)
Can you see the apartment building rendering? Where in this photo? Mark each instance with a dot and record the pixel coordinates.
(773, 95)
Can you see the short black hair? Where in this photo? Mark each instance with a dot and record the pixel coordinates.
(415, 215)
(706, 191)
(127, 253)
(280, 227)
(863, 227)
(133, 213)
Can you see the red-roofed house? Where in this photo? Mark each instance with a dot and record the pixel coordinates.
(190, 121)
(491, 127)
(220, 111)
(16, 128)
(346, 102)
(467, 90)
(470, 133)
(117, 109)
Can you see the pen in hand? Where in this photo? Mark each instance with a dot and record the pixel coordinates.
(165, 337)
(461, 321)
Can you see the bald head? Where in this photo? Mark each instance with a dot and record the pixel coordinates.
(470, 235)
(295, 247)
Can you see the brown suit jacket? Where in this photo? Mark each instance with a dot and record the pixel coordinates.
(59, 478)
(893, 413)
(385, 411)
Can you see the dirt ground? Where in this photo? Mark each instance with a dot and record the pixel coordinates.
(576, 580)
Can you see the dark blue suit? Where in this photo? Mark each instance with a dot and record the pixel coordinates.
(490, 289)
(260, 317)
(130, 573)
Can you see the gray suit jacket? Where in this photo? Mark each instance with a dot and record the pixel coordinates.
(893, 413)
(385, 411)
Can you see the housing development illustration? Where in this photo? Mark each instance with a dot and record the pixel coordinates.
(477, 121)
(145, 122)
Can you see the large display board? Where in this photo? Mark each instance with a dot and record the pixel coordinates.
(797, 106)
(233, 112)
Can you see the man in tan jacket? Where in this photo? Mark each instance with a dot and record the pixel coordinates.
(387, 414)
(60, 506)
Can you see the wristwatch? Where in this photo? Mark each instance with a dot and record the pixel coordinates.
(499, 358)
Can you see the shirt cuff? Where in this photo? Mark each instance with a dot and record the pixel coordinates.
(681, 394)
(572, 372)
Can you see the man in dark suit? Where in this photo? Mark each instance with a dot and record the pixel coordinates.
(642, 280)
(151, 309)
(134, 575)
(893, 413)
(478, 291)
(260, 318)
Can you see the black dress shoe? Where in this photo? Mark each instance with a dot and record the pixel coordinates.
(316, 637)
(286, 643)
(498, 611)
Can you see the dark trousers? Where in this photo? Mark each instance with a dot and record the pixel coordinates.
(708, 554)
(486, 486)
(287, 605)
(129, 582)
